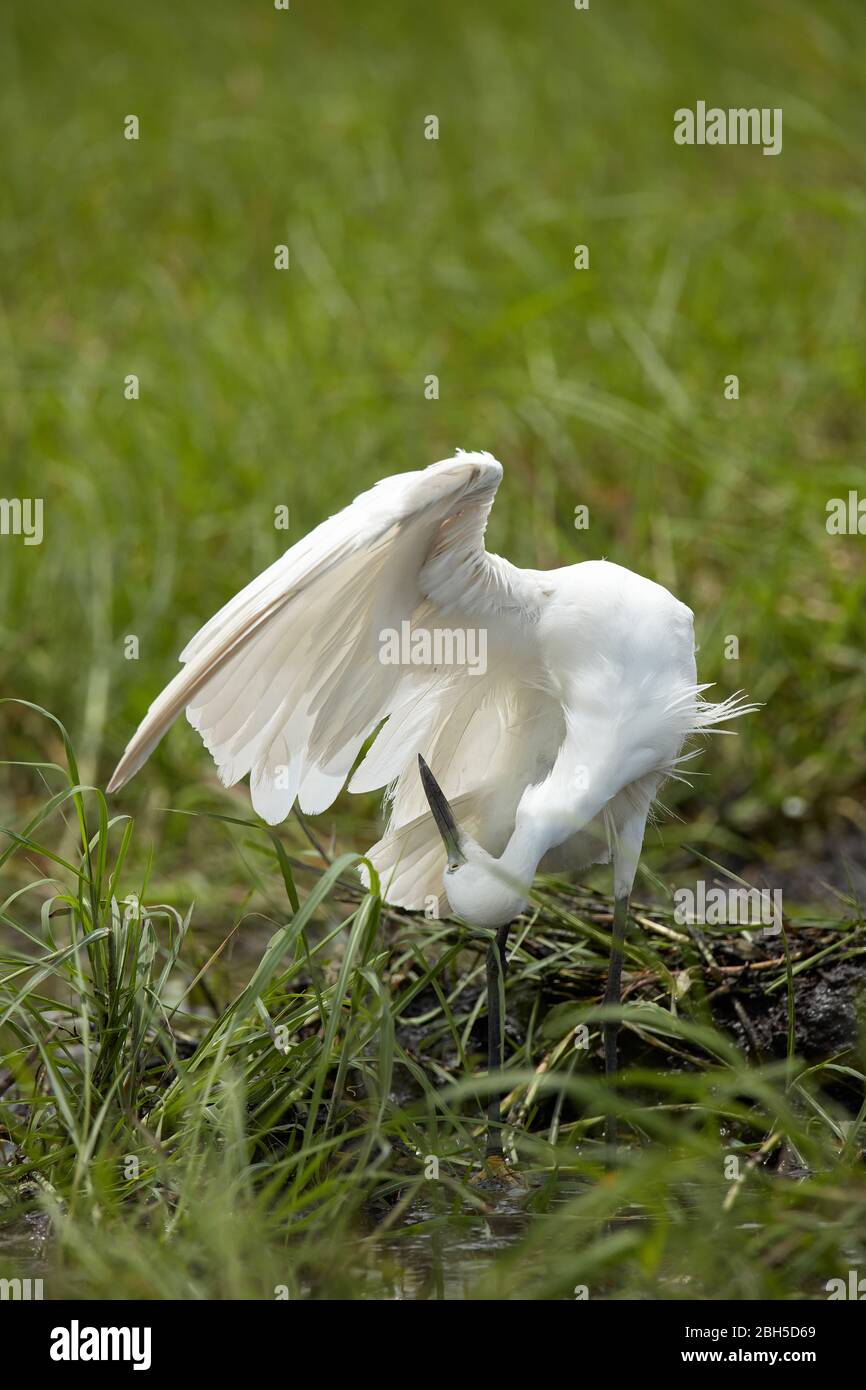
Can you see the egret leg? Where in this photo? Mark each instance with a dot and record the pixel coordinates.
(496, 967)
(612, 995)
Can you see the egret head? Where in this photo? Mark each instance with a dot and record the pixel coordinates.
(479, 888)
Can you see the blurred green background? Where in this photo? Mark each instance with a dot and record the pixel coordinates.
(453, 257)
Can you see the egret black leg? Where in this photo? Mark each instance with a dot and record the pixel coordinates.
(496, 967)
(612, 996)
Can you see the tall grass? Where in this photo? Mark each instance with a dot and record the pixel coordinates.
(312, 1128)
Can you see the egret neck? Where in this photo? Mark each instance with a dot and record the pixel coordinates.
(485, 890)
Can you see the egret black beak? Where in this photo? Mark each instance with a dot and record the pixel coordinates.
(441, 811)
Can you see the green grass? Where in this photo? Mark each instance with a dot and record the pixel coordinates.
(309, 1124)
(261, 388)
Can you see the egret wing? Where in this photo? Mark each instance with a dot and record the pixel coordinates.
(287, 681)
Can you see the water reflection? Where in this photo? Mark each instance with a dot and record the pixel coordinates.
(442, 1252)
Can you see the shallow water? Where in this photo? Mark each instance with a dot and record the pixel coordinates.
(438, 1253)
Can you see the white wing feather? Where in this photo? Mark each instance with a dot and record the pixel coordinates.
(285, 682)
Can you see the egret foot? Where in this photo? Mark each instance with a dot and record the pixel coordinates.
(494, 1175)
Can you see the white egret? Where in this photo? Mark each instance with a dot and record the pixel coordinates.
(550, 749)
